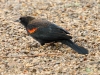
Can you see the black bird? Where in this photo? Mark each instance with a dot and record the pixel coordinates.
(45, 32)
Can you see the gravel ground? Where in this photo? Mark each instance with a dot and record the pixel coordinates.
(20, 54)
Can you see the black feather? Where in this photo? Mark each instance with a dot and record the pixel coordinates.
(75, 47)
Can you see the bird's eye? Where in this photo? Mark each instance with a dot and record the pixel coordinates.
(20, 18)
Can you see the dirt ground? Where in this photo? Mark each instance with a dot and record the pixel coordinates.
(20, 54)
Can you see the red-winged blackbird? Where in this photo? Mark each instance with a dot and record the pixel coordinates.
(44, 32)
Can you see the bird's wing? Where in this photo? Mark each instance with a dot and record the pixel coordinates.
(47, 30)
(61, 29)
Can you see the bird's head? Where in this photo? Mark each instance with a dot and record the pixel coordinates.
(25, 20)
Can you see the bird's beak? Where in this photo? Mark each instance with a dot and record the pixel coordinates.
(17, 21)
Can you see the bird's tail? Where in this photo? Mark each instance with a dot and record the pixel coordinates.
(74, 46)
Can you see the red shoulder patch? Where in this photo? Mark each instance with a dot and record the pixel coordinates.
(32, 30)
